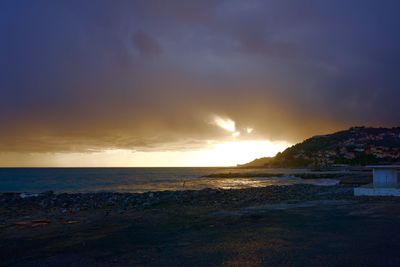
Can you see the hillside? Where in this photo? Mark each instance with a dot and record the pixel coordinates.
(355, 146)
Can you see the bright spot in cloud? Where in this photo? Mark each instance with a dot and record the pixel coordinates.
(225, 123)
(236, 134)
(249, 130)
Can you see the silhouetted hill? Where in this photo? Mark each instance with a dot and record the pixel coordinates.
(355, 146)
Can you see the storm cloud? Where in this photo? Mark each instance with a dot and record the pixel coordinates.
(149, 75)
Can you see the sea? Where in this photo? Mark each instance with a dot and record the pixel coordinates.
(137, 180)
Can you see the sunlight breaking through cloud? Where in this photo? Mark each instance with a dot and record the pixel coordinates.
(236, 134)
(225, 123)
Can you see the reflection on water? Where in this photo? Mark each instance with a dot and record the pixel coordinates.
(231, 183)
(222, 183)
(139, 179)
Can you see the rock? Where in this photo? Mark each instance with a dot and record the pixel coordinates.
(42, 203)
(71, 222)
(27, 195)
(47, 193)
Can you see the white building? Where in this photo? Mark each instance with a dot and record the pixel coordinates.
(385, 182)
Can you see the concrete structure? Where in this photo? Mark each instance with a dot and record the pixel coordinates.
(385, 182)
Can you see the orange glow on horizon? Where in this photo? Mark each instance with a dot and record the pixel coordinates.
(228, 153)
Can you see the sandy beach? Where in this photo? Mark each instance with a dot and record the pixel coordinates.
(298, 225)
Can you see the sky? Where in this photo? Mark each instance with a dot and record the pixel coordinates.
(189, 83)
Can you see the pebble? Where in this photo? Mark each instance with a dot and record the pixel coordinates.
(20, 204)
(27, 195)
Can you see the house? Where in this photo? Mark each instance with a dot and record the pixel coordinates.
(385, 182)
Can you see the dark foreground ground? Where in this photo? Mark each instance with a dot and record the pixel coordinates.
(299, 225)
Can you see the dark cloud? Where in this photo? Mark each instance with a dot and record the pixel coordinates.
(146, 45)
(82, 76)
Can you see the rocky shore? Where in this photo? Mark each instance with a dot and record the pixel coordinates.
(237, 227)
(14, 206)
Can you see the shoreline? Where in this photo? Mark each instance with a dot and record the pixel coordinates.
(15, 205)
(171, 228)
(131, 182)
(74, 203)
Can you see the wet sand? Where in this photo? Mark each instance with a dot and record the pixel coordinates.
(299, 225)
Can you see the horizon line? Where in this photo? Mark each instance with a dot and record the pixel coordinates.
(107, 167)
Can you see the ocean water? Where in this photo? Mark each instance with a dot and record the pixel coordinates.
(137, 179)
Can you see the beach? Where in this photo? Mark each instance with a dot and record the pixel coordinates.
(199, 133)
(295, 225)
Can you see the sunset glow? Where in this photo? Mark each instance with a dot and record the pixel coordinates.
(228, 153)
(225, 123)
(238, 152)
(204, 83)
